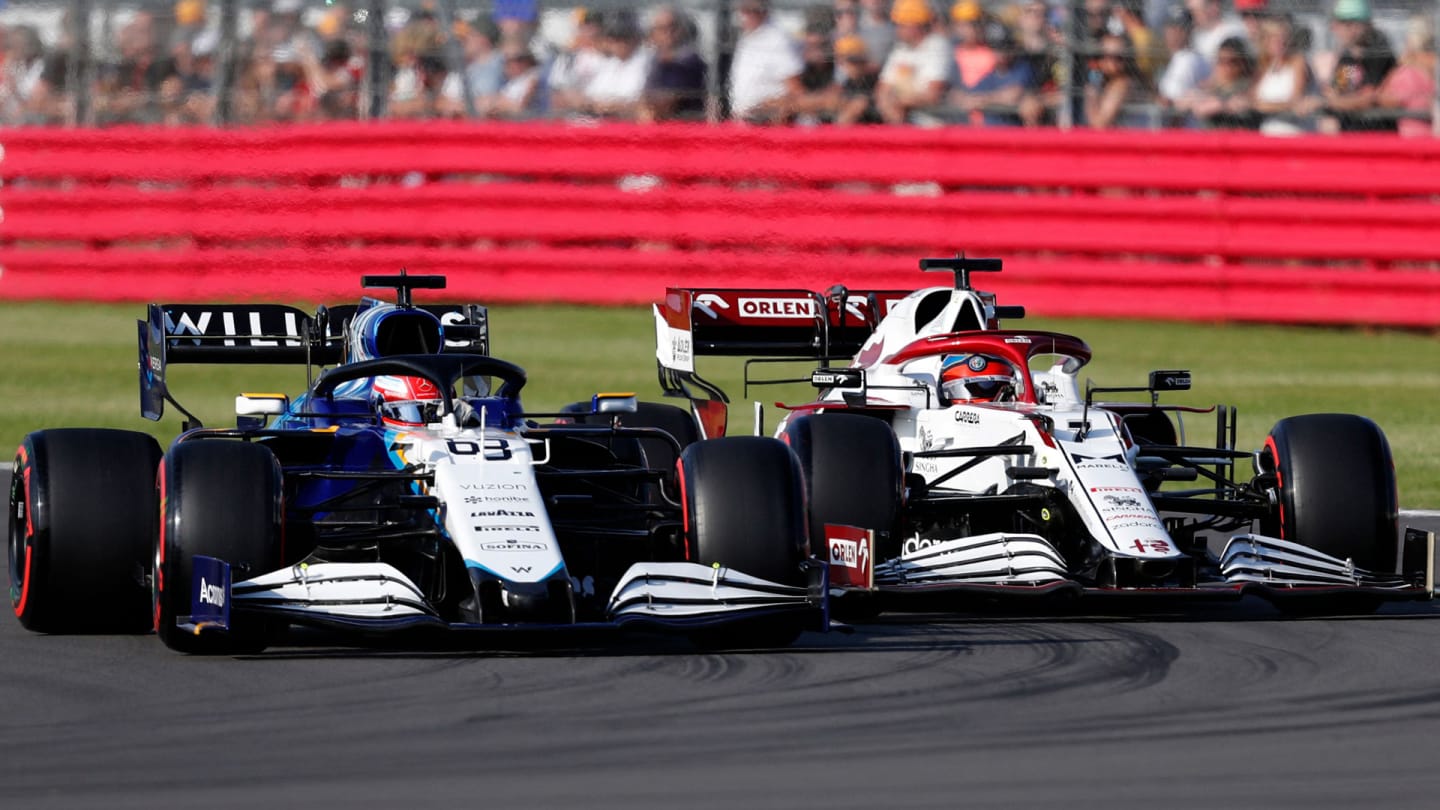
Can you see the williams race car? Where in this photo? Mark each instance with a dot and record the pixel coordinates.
(947, 455)
(405, 488)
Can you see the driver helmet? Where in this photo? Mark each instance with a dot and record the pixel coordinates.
(406, 401)
(976, 378)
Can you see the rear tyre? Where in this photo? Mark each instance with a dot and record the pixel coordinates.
(1336, 484)
(219, 499)
(744, 508)
(852, 470)
(82, 515)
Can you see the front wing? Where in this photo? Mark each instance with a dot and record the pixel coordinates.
(378, 597)
(1026, 565)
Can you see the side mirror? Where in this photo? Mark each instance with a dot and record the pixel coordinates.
(251, 410)
(1175, 380)
(614, 403)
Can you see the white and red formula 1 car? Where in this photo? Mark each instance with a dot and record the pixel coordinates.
(945, 454)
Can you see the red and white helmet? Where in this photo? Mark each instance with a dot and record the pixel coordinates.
(976, 378)
(406, 401)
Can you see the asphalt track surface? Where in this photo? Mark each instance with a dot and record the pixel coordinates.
(1219, 705)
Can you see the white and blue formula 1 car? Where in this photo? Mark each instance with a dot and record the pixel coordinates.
(945, 455)
(405, 488)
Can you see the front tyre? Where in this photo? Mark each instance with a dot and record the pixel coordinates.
(220, 499)
(1336, 488)
(744, 508)
(81, 518)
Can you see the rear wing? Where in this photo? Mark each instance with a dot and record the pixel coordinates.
(269, 334)
(767, 323)
(782, 324)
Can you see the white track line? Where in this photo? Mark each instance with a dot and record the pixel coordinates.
(1420, 513)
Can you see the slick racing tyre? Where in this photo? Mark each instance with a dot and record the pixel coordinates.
(744, 508)
(853, 476)
(82, 514)
(1336, 488)
(219, 499)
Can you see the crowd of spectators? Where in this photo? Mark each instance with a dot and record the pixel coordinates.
(1094, 63)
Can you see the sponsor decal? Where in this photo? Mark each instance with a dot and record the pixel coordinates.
(1098, 464)
(503, 513)
(711, 300)
(197, 322)
(490, 487)
(211, 594)
(1017, 339)
(1116, 489)
(507, 528)
(967, 417)
(849, 551)
(497, 499)
(1134, 524)
(977, 363)
(1123, 501)
(777, 308)
(926, 441)
(514, 545)
(925, 466)
(1151, 546)
(1110, 519)
(520, 569)
(915, 545)
(681, 350)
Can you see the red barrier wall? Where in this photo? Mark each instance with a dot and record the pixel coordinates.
(1174, 225)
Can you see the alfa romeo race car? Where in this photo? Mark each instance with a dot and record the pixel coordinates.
(407, 487)
(947, 455)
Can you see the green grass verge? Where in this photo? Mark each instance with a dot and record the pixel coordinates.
(75, 365)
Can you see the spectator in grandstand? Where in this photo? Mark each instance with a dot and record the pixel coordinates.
(1283, 78)
(484, 68)
(675, 88)
(618, 89)
(419, 68)
(1409, 90)
(1253, 14)
(859, 74)
(870, 20)
(1115, 86)
(332, 80)
(520, 95)
(1351, 95)
(129, 90)
(819, 94)
(1038, 39)
(995, 98)
(1186, 68)
(1223, 101)
(519, 24)
(21, 74)
(914, 77)
(185, 97)
(1129, 16)
(973, 56)
(574, 68)
(1211, 28)
(765, 69)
